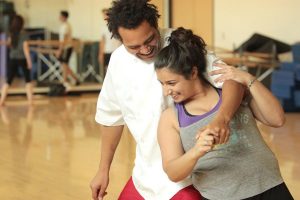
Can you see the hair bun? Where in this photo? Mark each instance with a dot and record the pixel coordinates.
(181, 36)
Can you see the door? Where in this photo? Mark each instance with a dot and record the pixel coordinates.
(196, 15)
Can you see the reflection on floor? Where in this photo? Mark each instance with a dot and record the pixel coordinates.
(51, 150)
(18, 87)
(84, 87)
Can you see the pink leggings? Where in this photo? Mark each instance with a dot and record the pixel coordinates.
(130, 193)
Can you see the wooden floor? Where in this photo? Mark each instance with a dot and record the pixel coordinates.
(51, 151)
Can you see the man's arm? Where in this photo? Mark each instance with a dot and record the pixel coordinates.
(110, 136)
(263, 101)
(232, 95)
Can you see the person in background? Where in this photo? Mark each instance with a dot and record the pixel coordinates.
(19, 56)
(65, 48)
(107, 44)
(132, 95)
(242, 168)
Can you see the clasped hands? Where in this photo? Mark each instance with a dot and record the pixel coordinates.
(216, 132)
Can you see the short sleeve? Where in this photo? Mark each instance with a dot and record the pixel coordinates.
(108, 111)
(211, 59)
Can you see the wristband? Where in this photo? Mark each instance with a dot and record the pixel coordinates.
(251, 82)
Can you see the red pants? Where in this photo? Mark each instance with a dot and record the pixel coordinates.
(130, 193)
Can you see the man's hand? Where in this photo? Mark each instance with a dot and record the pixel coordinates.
(99, 185)
(228, 72)
(220, 127)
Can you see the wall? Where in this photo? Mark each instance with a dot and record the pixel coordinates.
(236, 20)
(41, 13)
(161, 8)
(85, 16)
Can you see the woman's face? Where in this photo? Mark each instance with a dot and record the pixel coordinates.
(175, 85)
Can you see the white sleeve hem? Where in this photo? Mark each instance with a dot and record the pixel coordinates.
(108, 123)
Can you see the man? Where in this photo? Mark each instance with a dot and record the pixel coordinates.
(65, 48)
(132, 95)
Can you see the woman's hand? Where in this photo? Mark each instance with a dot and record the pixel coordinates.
(205, 141)
(219, 129)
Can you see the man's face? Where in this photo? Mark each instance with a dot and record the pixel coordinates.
(143, 41)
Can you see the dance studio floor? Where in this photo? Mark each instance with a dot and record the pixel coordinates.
(51, 150)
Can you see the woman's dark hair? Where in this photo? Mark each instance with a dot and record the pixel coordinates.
(130, 14)
(16, 27)
(185, 51)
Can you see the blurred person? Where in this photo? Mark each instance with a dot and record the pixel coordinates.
(19, 56)
(107, 44)
(65, 48)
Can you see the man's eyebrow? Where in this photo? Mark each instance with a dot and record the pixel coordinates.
(170, 81)
(150, 38)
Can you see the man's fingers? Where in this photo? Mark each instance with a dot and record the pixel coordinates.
(227, 136)
(217, 139)
(102, 193)
(217, 72)
(224, 136)
(220, 65)
(95, 193)
(102, 196)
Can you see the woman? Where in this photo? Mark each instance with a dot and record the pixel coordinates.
(242, 168)
(19, 56)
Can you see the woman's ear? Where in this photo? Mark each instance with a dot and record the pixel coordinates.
(194, 74)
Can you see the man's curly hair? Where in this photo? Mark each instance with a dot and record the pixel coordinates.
(130, 14)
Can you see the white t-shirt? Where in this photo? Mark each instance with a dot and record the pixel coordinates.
(132, 95)
(65, 33)
(110, 44)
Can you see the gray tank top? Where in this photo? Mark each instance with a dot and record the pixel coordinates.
(241, 168)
